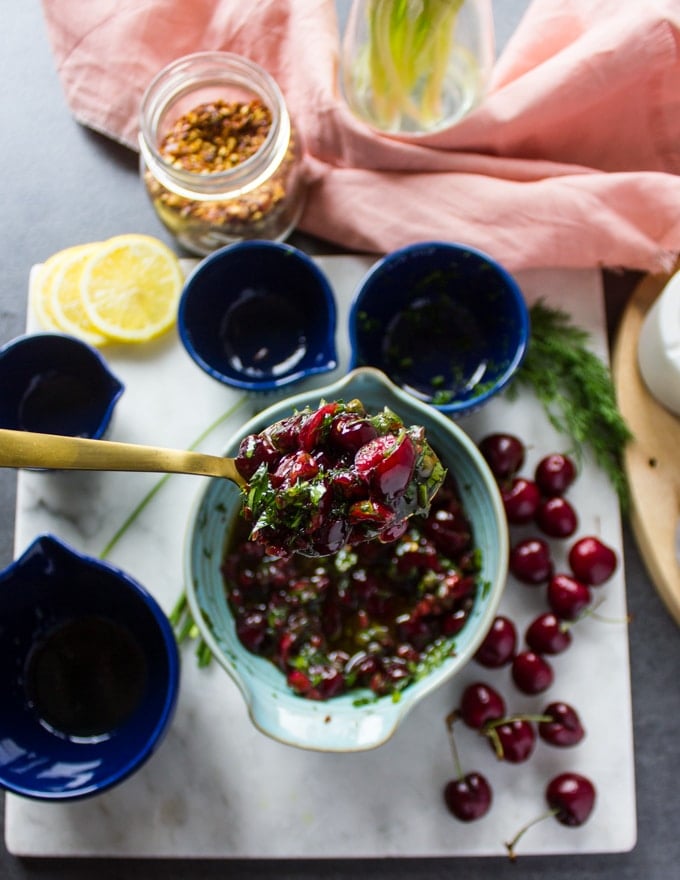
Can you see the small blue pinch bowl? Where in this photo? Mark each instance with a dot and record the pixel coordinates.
(444, 321)
(53, 383)
(89, 674)
(356, 720)
(259, 315)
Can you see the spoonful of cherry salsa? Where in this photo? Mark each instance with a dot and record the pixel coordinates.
(323, 479)
(311, 483)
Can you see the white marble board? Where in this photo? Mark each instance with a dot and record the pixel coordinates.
(217, 788)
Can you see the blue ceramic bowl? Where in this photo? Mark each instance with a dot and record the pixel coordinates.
(53, 383)
(259, 315)
(89, 674)
(341, 724)
(445, 322)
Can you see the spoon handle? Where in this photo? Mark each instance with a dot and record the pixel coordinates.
(24, 449)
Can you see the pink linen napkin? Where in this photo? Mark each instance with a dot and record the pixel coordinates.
(573, 159)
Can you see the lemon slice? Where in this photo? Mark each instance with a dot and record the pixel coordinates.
(65, 300)
(42, 284)
(130, 288)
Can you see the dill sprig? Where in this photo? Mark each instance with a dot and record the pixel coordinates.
(576, 391)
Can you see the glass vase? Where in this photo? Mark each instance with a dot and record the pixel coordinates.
(416, 66)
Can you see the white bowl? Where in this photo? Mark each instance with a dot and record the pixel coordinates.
(659, 346)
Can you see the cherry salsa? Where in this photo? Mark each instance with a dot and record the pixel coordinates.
(375, 615)
(322, 479)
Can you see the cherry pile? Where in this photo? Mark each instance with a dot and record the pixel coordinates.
(323, 479)
(539, 506)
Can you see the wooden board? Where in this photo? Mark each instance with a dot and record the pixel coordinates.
(652, 460)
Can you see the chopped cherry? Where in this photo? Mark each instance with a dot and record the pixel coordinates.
(570, 797)
(335, 475)
(555, 473)
(548, 634)
(469, 797)
(567, 596)
(531, 672)
(521, 500)
(504, 453)
(531, 561)
(316, 425)
(251, 629)
(292, 468)
(389, 462)
(350, 432)
(564, 727)
(480, 704)
(556, 517)
(592, 561)
(253, 451)
(498, 647)
(449, 530)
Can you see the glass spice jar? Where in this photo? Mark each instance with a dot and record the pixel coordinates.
(220, 158)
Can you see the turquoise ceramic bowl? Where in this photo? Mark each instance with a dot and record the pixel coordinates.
(340, 724)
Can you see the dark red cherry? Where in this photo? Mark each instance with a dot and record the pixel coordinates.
(531, 672)
(504, 453)
(479, 704)
(567, 596)
(255, 450)
(555, 473)
(521, 500)
(556, 517)
(293, 467)
(513, 740)
(548, 634)
(498, 647)
(468, 798)
(531, 561)
(564, 728)
(315, 425)
(572, 796)
(592, 561)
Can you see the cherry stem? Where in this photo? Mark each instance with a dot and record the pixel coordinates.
(592, 612)
(508, 719)
(489, 729)
(510, 845)
(449, 720)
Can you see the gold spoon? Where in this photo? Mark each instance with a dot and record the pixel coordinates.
(24, 449)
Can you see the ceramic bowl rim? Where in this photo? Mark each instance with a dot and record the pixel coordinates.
(454, 408)
(268, 384)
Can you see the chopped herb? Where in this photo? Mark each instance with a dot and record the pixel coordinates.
(439, 398)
